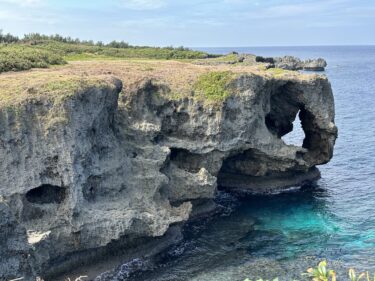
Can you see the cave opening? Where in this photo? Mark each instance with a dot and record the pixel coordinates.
(288, 118)
(186, 160)
(297, 135)
(46, 194)
(241, 167)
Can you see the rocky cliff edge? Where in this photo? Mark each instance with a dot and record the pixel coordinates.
(99, 153)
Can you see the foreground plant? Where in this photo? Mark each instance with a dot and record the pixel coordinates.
(353, 276)
(368, 276)
(321, 273)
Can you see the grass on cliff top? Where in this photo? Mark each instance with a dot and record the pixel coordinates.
(227, 59)
(24, 55)
(18, 57)
(277, 72)
(15, 89)
(74, 52)
(210, 83)
(70, 50)
(214, 86)
(40, 51)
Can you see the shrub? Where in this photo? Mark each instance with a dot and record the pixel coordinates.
(20, 57)
(38, 50)
(116, 50)
(214, 85)
(7, 38)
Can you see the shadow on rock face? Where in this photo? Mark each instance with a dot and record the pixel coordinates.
(46, 194)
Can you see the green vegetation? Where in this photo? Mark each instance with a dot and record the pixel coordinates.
(214, 85)
(17, 57)
(72, 50)
(322, 273)
(230, 58)
(36, 50)
(277, 71)
(8, 38)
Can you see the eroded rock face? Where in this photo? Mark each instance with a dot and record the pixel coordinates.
(15, 251)
(96, 168)
(286, 62)
(293, 63)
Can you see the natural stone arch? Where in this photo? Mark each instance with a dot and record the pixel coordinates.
(264, 170)
(297, 135)
(292, 99)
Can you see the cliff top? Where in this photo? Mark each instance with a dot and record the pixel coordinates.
(76, 64)
(183, 78)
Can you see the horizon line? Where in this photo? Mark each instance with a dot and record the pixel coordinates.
(287, 46)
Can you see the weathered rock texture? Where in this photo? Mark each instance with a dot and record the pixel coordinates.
(83, 172)
(293, 63)
(15, 252)
(286, 62)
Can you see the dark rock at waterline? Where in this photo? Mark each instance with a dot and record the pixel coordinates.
(264, 59)
(273, 184)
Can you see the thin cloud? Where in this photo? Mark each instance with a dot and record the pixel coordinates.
(27, 3)
(143, 4)
(296, 11)
(147, 22)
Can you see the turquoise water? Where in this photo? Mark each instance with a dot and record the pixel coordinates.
(282, 235)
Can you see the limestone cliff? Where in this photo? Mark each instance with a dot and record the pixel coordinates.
(120, 160)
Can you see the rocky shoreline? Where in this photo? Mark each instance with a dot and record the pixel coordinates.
(114, 161)
(286, 62)
(293, 63)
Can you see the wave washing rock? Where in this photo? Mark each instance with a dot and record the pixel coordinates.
(96, 169)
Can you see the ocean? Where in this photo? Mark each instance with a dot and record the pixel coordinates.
(282, 235)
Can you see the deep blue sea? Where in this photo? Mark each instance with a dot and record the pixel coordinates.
(282, 235)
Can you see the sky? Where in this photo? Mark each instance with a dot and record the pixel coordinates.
(197, 23)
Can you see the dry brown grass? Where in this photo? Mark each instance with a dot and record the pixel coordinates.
(62, 80)
(16, 88)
